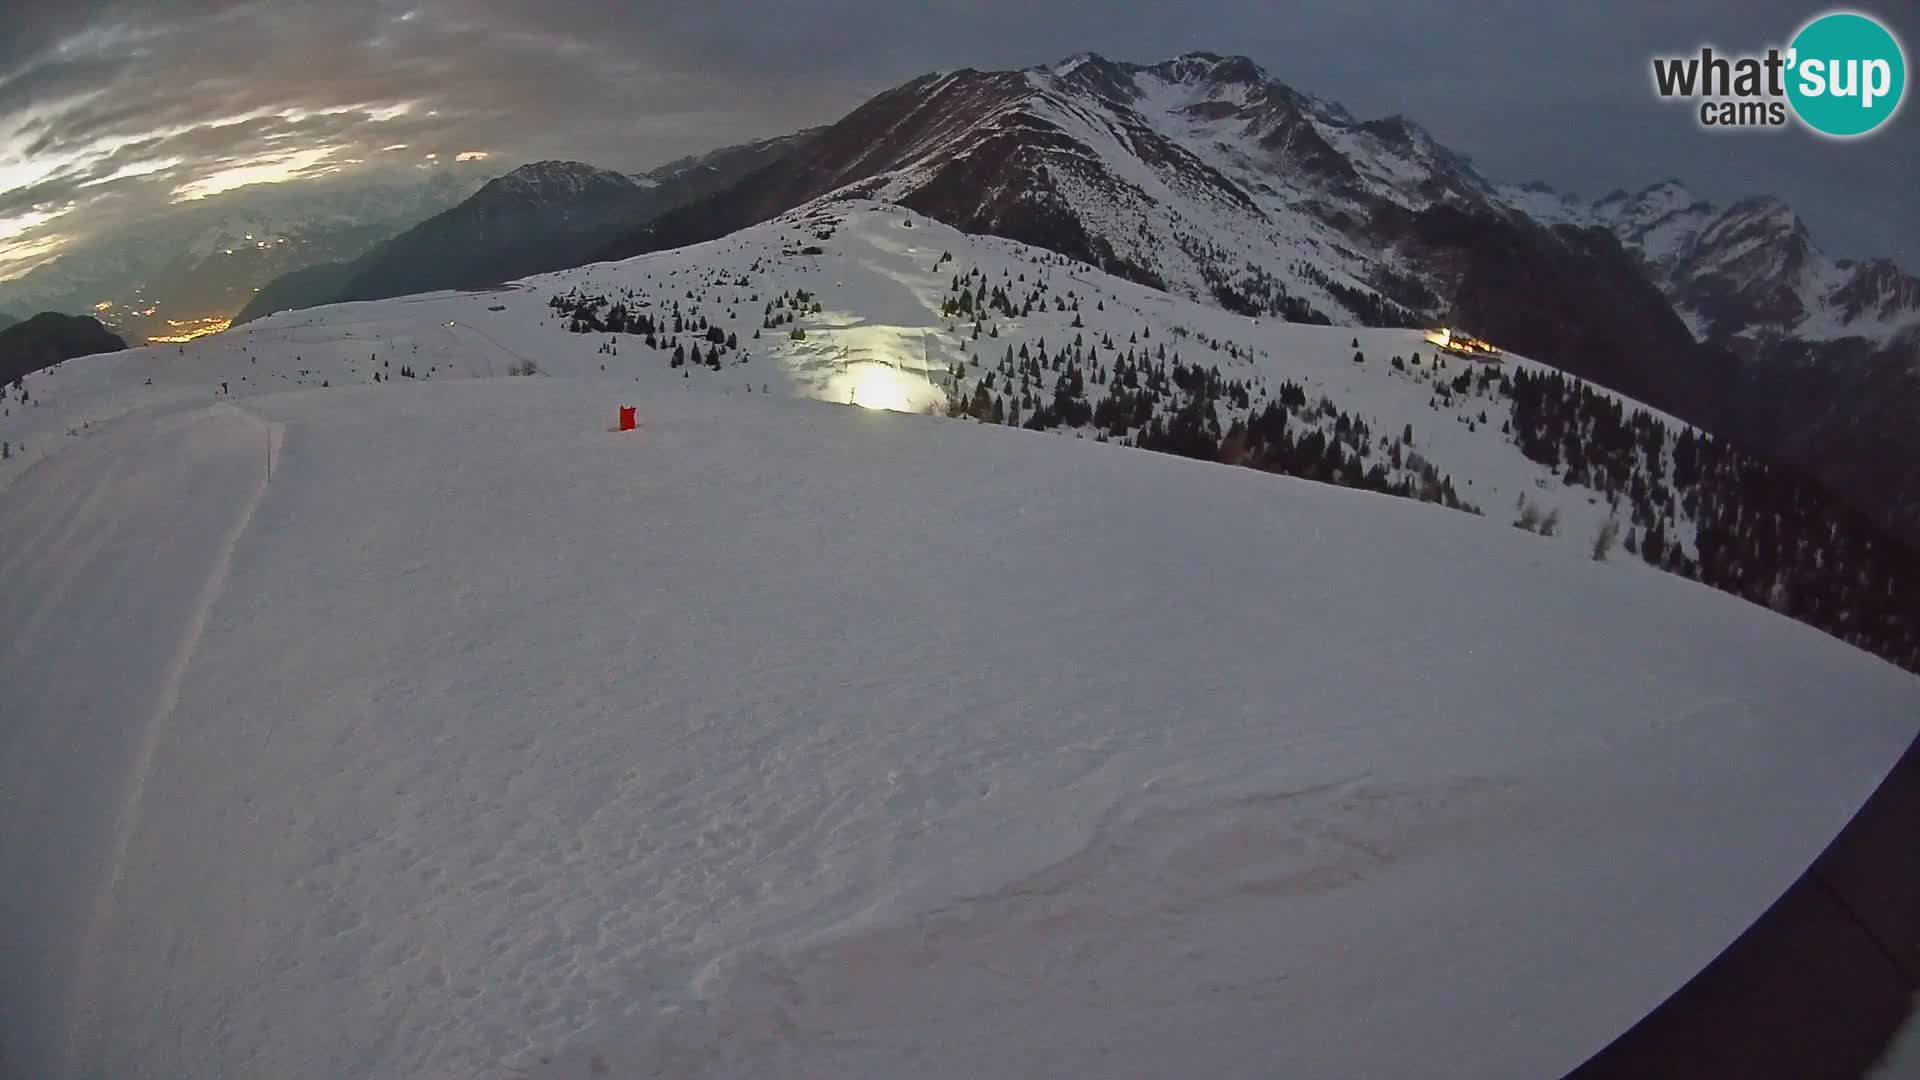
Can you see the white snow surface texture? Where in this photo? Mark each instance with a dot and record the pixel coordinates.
(787, 738)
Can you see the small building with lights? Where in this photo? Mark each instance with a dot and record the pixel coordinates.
(1461, 344)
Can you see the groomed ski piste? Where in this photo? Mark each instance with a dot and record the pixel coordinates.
(787, 737)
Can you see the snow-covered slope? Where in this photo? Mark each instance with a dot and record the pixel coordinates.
(780, 736)
(850, 299)
(881, 277)
(788, 738)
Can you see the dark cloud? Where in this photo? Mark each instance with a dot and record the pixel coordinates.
(136, 98)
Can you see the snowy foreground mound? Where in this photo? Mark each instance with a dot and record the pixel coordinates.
(787, 738)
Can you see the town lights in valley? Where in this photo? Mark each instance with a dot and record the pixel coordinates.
(185, 330)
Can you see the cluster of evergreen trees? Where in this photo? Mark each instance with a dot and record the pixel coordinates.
(684, 334)
(1371, 308)
(782, 310)
(969, 297)
(1344, 453)
(1254, 291)
(1137, 393)
(1257, 292)
(1763, 531)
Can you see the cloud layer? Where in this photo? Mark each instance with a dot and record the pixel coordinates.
(111, 110)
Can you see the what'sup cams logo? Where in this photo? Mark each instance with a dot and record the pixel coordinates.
(1842, 75)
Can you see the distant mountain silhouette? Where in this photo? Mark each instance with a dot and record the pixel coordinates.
(47, 339)
(540, 217)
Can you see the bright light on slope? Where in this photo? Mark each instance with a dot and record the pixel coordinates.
(877, 386)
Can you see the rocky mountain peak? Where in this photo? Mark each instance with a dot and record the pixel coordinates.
(560, 180)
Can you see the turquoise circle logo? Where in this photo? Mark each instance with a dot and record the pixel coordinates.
(1846, 74)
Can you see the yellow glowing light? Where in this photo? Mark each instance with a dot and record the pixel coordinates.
(104, 305)
(1461, 344)
(877, 386)
(190, 330)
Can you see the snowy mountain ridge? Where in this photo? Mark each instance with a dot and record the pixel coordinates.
(562, 180)
(1201, 175)
(1308, 166)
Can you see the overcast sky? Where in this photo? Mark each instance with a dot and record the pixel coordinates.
(111, 108)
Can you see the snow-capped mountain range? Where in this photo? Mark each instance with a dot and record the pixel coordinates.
(565, 184)
(1747, 273)
(1200, 175)
(1206, 177)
